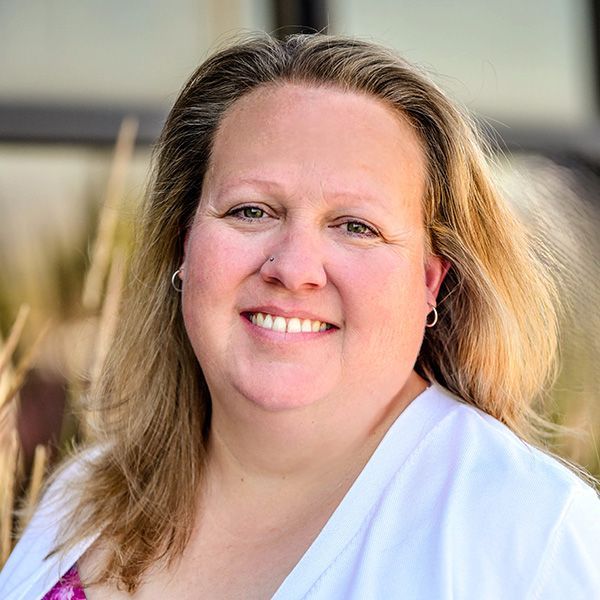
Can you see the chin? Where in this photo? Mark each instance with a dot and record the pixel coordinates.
(293, 394)
(280, 385)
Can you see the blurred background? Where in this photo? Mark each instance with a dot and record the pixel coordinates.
(75, 73)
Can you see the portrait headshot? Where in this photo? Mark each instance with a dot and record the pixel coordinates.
(331, 366)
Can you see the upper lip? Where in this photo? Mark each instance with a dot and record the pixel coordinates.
(287, 313)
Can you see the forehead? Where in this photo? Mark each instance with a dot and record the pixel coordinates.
(299, 133)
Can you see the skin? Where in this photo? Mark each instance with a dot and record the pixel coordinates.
(313, 168)
(330, 184)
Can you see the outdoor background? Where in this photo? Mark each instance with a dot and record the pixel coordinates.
(72, 70)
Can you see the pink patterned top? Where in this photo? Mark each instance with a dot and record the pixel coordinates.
(68, 587)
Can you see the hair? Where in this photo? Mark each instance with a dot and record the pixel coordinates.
(494, 345)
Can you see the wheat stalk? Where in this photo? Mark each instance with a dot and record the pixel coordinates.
(23, 367)
(10, 447)
(106, 326)
(109, 215)
(40, 460)
(9, 462)
(13, 338)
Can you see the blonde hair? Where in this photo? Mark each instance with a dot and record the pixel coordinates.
(494, 344)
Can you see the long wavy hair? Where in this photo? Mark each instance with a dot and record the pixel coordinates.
(494, 344)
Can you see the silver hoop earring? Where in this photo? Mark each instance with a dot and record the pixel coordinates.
(174, 281)
(435, 317)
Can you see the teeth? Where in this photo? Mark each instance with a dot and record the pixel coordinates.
(292, 325)
(279, 324)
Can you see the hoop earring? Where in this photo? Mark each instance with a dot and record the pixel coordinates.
(435, 317)
(174, 281)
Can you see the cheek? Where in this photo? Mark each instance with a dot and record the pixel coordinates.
(215, 260)
(386, 305)
(208, 284)
(391, 287)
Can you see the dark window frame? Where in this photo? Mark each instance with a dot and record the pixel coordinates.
(37, 123)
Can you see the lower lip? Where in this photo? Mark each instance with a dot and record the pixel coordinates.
(284, 336)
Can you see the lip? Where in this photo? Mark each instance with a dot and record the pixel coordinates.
(288, 313)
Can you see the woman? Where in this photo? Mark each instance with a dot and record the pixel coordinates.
(334, 401)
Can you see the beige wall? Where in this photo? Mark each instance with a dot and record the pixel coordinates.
(514, 60)
(113, 51)
(521, 61)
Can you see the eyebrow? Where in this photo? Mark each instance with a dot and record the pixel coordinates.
(277, 188)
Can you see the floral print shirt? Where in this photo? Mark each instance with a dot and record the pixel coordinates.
(68, 587)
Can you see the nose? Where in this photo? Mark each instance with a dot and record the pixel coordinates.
(296, 262)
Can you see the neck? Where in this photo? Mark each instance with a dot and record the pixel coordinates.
(328, 441)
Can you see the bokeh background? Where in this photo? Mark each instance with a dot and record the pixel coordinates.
(73, 73)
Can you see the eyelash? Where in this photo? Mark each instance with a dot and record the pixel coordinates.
(239, 214)
(371, 231)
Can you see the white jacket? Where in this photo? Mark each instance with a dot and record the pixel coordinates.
(450, 505)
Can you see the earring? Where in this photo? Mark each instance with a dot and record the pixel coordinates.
(271, 259)
(435, 317)
(174, 280)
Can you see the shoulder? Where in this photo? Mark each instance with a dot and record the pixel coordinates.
(496, 458)
(450, 445)
(30, 569)
(499, 510)
(571, 561)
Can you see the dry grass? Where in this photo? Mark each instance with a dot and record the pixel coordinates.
(10, 346)
(11, 471)
(108, 265)
(40, 460)
(109, 216)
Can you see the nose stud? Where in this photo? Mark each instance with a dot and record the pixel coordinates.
(271, 259)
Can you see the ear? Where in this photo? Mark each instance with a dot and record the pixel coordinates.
(436, 268)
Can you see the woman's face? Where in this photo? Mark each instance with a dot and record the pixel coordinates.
(305, 275)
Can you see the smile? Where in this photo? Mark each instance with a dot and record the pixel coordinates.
(283, 325)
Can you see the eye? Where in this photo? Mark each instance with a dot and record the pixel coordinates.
(359, 229)
(248, 213)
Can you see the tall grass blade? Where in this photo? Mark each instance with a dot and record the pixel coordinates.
(109, 215)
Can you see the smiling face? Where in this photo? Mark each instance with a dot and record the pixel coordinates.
(305, 275)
